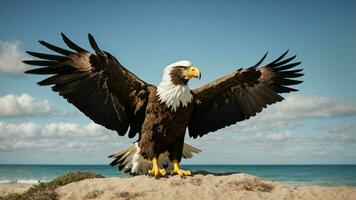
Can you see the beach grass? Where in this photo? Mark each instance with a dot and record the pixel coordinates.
(46, 190)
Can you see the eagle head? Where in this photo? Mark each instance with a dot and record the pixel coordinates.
(179, 73)
(173, 90)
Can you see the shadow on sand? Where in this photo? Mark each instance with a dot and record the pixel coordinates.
(203, 172)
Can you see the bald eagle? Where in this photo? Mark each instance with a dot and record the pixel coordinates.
(112, 96)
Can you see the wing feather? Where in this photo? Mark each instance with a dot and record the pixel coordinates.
(72, 45)
(46, 56)
(278, 59)
(96, 83)
(56, 49)
(285, 67)
(40, 62)
(242, 94)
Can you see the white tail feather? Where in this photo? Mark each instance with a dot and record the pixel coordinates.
(130, 161)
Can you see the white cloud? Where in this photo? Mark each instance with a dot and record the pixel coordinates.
(345, 133)
(26, 105)
(282, 121)
(10, 58)
(302, 107)
(24, 130)
(57, 137)
(278, 146)
(268, 138)
(293, 111)
(283, 133)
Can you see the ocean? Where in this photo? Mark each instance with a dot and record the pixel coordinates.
(299, 175)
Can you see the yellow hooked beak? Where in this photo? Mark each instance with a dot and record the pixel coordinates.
(192, 72)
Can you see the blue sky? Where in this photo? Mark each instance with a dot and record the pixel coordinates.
(316, 125)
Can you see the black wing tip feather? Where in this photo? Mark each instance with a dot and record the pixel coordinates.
(94, 45)
(71, 44)
(286, 52)
(44, 43)
(41, 71)
(55, 48)
(47, 56)
(90, 36)
(284, 73)
(32, 53)
(64, 35)
(279, 58)
(51, 60)
(31, 71)
(260, 61)
(280, 65)
(40, 62)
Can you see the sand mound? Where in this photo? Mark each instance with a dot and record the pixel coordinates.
(201, 185)
(10, 188)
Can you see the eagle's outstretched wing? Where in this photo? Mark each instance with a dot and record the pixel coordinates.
(96, 83)
(241, 94)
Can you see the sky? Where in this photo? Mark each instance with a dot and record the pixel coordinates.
(316, 125)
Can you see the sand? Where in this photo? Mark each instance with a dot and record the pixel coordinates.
(8, 188)
(201, 185)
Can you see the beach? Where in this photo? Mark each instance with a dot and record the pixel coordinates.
(9, 188)
(202, 185)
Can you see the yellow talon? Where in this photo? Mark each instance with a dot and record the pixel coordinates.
(156, 171)
(178, 170)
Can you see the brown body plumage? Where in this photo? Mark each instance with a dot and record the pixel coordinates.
(99, 86)
(163, 130)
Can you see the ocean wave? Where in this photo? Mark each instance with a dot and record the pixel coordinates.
(31, 181)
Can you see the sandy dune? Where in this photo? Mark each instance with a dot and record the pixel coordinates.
(8, 188)
(199, 186)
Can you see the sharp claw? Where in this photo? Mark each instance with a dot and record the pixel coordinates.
(177, 170)
(182, 173)
(156, 173)
(162, 172)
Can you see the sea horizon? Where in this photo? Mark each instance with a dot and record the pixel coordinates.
(293, 174)
(182, 164)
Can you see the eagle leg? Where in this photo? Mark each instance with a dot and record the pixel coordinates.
(178, 170)
(156, 171)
